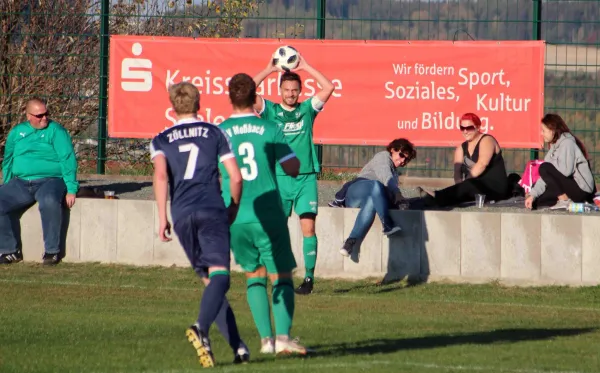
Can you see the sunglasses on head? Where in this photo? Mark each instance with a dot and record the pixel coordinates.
(467, 128)
(40, 116)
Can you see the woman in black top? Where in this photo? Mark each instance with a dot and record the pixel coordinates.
(478, 168)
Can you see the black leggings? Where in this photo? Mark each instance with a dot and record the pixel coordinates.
(558, 184)
(462, 192)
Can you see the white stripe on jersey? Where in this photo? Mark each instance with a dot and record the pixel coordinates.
(154, 152)
(225, 157)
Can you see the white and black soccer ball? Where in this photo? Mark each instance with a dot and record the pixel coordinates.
(286, 58)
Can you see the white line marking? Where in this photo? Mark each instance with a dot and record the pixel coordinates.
(303, 365)
(284, 366)
(481, 368)
(509, 304)
(346, 296)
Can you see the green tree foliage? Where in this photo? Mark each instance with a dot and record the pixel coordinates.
(50, 48)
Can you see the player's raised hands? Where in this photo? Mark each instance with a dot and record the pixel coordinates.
(302, 64)
(271, 67)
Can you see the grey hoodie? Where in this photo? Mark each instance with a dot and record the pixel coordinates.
(381, 168)
(566, 156)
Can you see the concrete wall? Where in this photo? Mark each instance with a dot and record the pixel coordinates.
(461, 246)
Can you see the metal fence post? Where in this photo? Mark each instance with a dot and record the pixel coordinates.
(536, 35)
(321, 13)
(102, 93)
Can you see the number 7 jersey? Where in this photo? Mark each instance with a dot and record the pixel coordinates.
(193, 150)
(259, 145)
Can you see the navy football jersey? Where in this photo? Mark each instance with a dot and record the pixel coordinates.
(193, 151)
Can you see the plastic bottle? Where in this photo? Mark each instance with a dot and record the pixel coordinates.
(582, 207)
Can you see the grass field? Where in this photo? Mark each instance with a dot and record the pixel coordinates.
(94, 318)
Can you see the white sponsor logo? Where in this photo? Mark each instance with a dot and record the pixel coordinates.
(135, 72)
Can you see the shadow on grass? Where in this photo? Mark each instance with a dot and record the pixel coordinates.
(383, 286)
(380, 346)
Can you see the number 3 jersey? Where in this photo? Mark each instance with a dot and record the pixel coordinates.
(259, 145)
(193, 150)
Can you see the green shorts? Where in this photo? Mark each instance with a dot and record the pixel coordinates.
(256, 245)
(300, 192)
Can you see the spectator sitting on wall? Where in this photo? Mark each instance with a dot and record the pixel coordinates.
(565, 175)
(478, 169)
(39, 166)
(374, 191)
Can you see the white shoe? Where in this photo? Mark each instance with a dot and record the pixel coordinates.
(289, 347)
(242, 355)
(561, 204)
(346, 250)
(392, 231)
(267, 346)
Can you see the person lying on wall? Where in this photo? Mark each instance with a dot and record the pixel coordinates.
(566, 175)
(478, 169)
(39, 166)
(375, 190)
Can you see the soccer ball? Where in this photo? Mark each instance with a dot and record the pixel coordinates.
(286, 58)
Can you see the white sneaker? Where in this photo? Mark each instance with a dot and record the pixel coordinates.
(392, 231)
(289, 347)
(267, 346)
(242, 355)
(346, 250)
(561, 204)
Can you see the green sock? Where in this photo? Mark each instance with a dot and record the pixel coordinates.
(283, 305)
(258, 300)
(309, 248)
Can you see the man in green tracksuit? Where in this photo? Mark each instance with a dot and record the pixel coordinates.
(39, 166)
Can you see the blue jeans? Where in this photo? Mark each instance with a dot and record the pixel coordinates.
(371, 197)
(20, 194)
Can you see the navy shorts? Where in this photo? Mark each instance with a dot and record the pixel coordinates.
(204, 236)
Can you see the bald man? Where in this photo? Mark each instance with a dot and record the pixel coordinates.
(39, 166)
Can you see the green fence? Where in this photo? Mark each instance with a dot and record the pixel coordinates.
(59, 50)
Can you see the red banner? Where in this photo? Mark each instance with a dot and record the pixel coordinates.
(384, 89)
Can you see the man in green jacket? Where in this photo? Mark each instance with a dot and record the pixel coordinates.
(39, 166)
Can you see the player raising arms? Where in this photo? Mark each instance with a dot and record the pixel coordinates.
(260, 239)
(296, 119)
(186, 161)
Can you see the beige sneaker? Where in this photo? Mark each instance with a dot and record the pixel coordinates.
(289, 347)
(561, 204)
(267, 346)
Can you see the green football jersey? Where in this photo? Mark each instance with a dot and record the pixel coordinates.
(297, 126)
(259, 146)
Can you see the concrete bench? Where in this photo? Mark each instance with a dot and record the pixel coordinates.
(516, 248)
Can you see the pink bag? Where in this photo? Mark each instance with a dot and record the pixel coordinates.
(531, 175)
